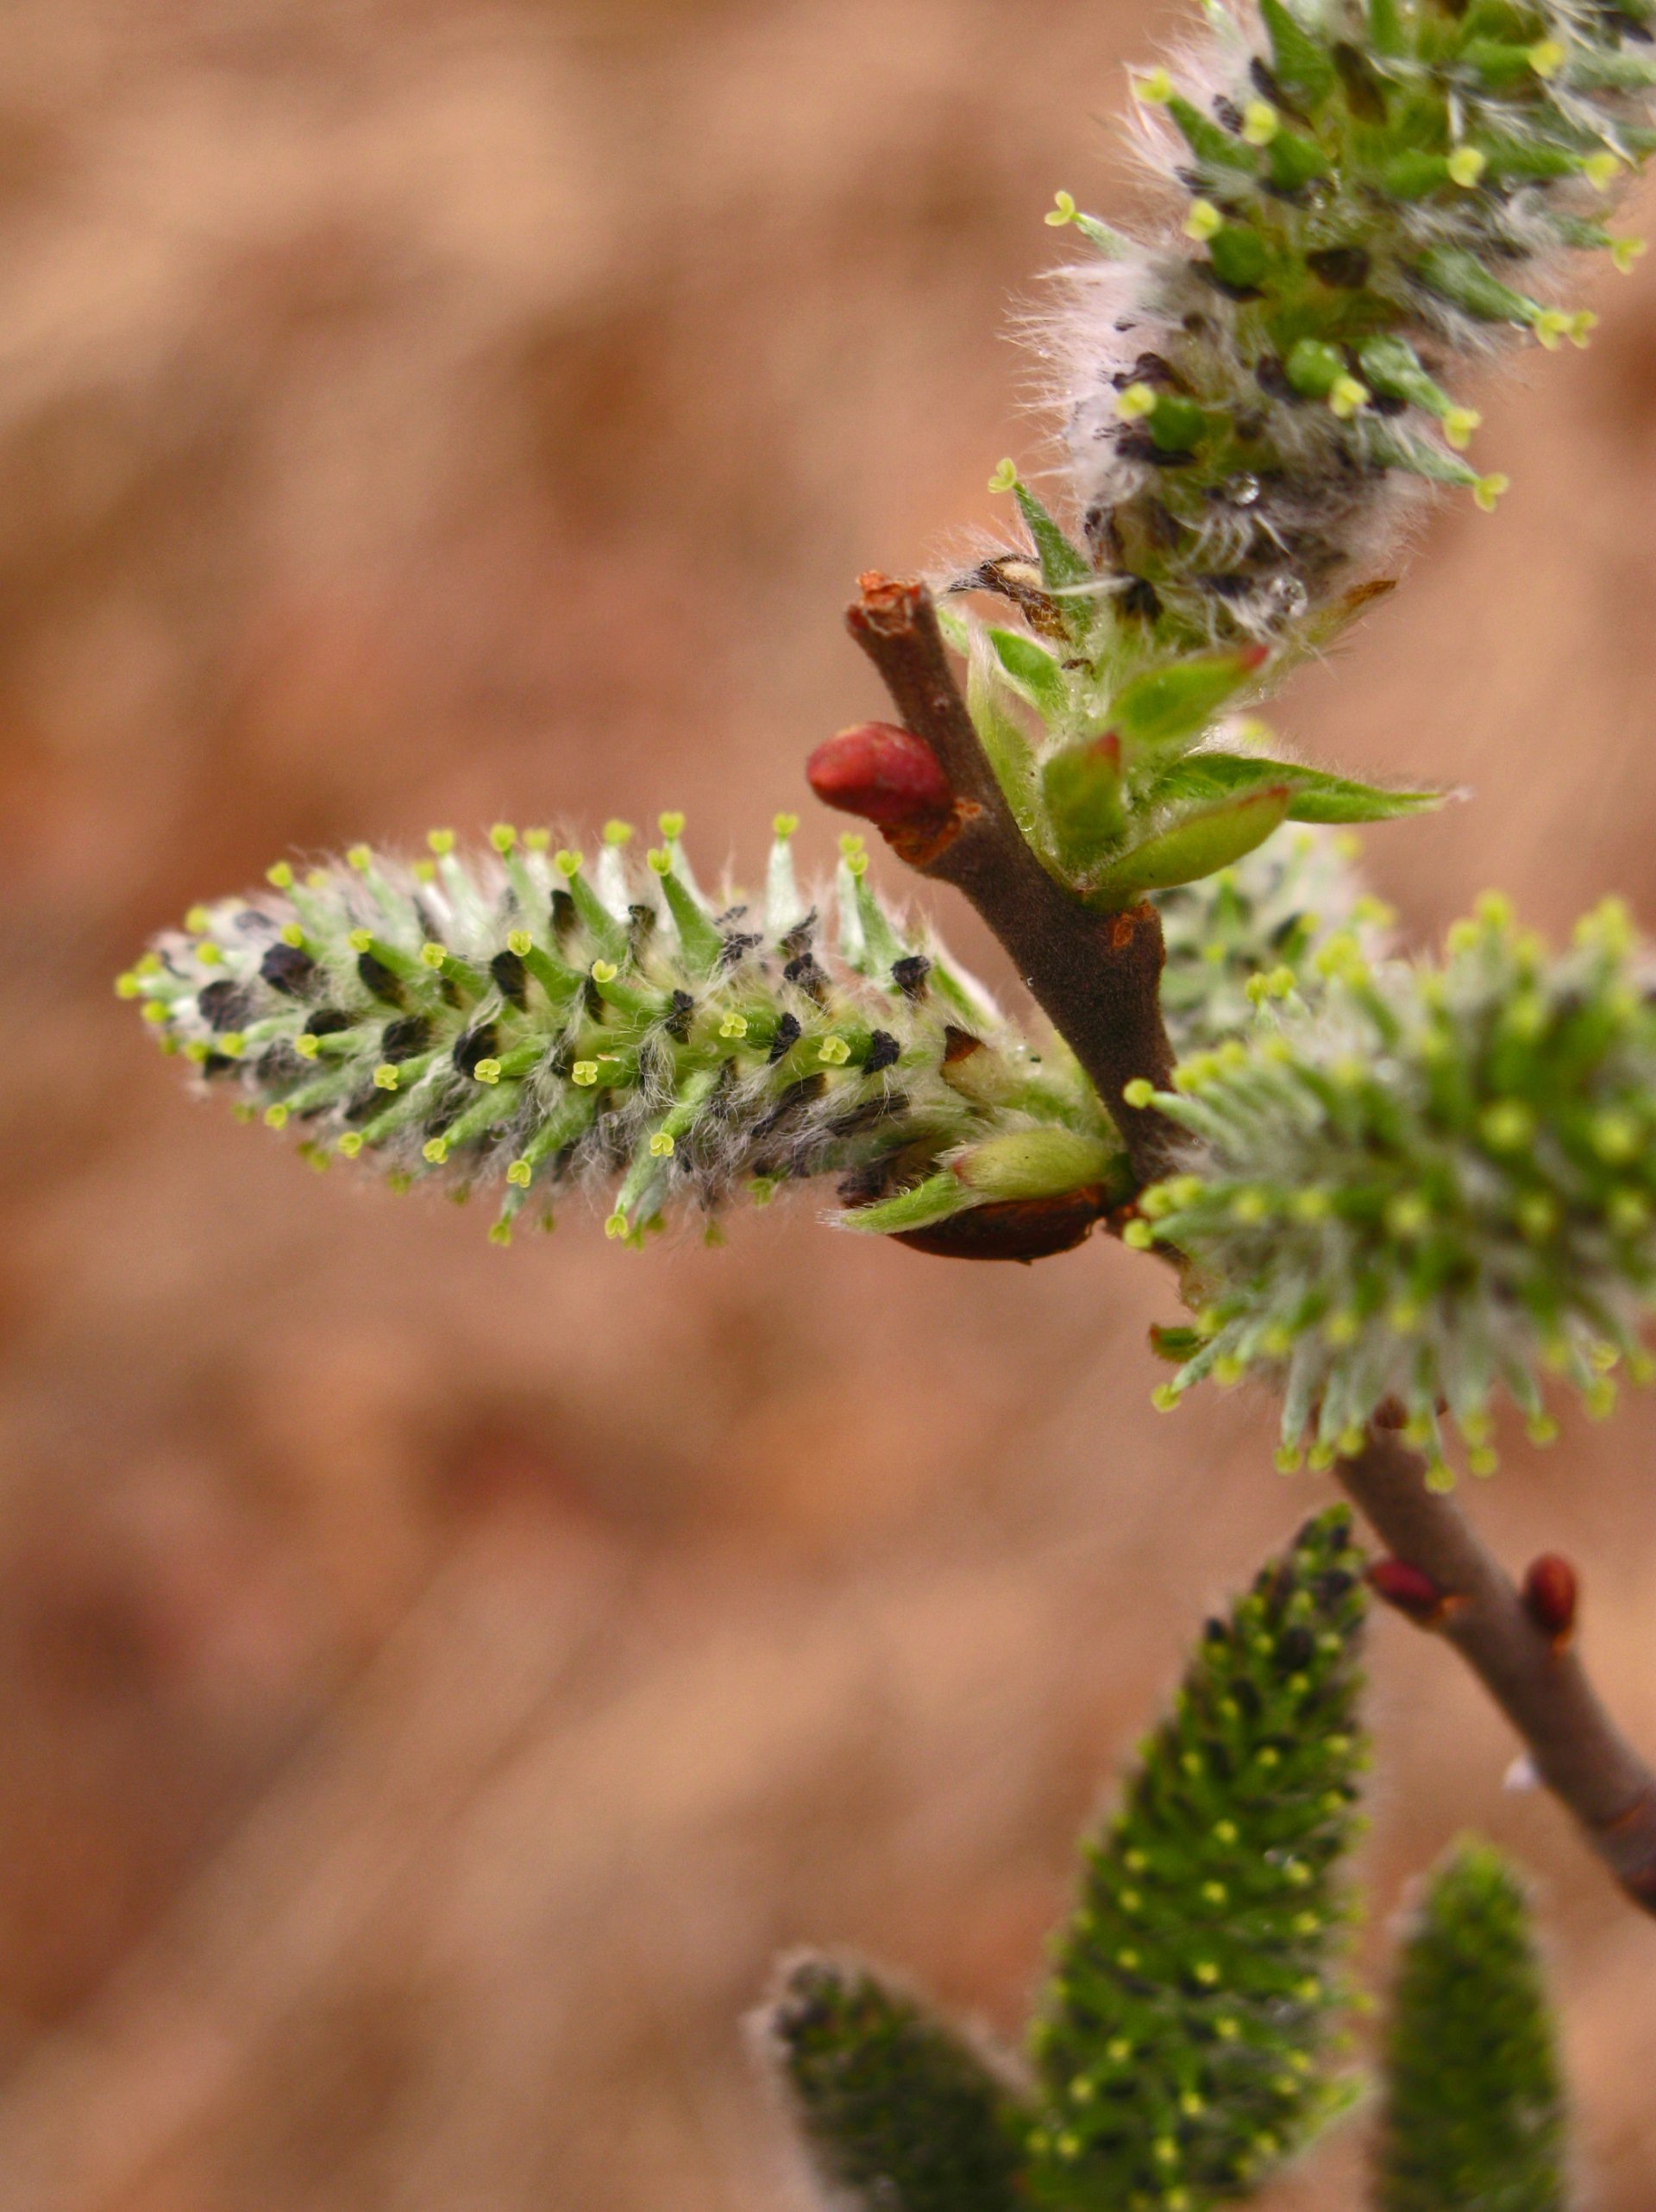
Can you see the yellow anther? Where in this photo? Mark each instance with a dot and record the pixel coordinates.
(1204, 221)
(486, 1071)
(584, 1072)
(1063, 210)
(440, 841)
(661, 1145)
(1467, 165)
(386, 1076)
(1260, 122)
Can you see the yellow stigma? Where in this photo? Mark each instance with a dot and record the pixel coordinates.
(567, 863)
(671, 825)
(440, 841)
(386, 1076)
(520, 942)
(1489, 489)
(280, 876)
(1583, 323)
(1467, 165)
(1260, 122)
(518, 1174)
(783, 825)
(1005, 476)
(1601, 170)
(349, 1145)
(616, 832)
(584, 1072)
(1063, 210)
(424, 871)
(1624, 252)
(434, 1151)
(486, 1071)
(661, 1145)
(616, 1225)
(1546, 57)
(359, 858)
(1346, 397)
(209, 954)
(733, 1025)
(307, 1047)
(1204, 221)
(834, 1051)
(537, 841)
(433, 954)
(503, 837)
(1458, 424)
(1552, 327)
(275, 1117)
(660, 860)
(605, 971)
(1155, 88)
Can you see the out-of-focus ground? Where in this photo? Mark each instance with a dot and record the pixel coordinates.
(435, 1682)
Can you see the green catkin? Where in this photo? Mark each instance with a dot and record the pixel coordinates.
(516, 1018)
(1432, 1184)
(897, 2111)
(1182, 2043)
(1372, 204)
(1474, 2118)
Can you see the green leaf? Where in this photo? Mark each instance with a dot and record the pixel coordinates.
(1167, 704)
(1005, 745)
(1313, 796)
(1474, 2107)
(1032, 671)
(1182, 2043)
(1080, 787)
(1302, 65)
(897, 2109)
(1198, 841)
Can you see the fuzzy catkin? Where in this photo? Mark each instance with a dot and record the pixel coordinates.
(520, 1019)
(1373, 193)
(1428, 1186)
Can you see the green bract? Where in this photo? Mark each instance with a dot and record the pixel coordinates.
(1474, 2113)
(521, 1020)
(1426, 1185)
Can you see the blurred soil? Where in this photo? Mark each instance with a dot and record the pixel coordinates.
(436, 1681)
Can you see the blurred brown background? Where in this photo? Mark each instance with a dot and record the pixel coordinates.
(435, 1682)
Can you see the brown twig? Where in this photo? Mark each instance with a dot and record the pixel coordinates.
(1538, 1684)
(1097, 975)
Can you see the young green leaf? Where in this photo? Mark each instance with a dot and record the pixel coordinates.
(1196, 840)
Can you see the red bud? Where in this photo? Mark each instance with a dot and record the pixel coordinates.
(1551, 1594)
(884, 774)
(1409, 1590)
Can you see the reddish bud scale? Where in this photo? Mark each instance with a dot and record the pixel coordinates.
(886, 774)
(1551, 1591)
(1408, 1591)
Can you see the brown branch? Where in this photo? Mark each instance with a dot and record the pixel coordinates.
(1541, 1687)
(1097, 975)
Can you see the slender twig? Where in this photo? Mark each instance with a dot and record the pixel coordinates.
(1097, 975)
(1542, 1688)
